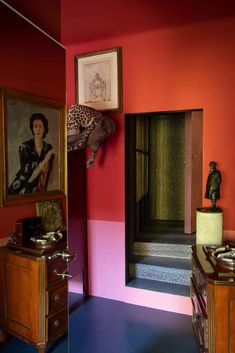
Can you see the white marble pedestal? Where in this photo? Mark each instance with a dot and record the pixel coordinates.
(209, 227)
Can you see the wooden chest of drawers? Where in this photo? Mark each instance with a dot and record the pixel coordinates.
(33, 297)
(213, 303)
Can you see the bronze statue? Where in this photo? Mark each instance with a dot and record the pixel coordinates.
(87, 127)
(213, 185)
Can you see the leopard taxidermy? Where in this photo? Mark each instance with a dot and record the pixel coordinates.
(87, 127)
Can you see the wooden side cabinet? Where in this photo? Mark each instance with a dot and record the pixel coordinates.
(33, 297)
(213, 302)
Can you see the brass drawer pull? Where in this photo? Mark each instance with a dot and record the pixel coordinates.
(57, 298)
(56, 323)
(65, 256)
(64, 275)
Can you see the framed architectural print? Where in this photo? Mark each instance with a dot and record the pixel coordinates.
(32, 147)
(98, 79)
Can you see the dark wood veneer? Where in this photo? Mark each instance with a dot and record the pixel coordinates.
(213, 301)
(33, 303)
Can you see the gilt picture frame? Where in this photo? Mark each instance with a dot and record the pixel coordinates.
(98, 79)
(33, 160)
(51, 216)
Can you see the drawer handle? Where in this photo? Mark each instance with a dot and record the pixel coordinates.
(65, 256)
(57, 298)
(56, 323)
(64, 275)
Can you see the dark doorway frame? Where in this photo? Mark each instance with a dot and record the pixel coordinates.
(193, 174)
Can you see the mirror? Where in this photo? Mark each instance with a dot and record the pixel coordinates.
(30, 60)
(32, 64)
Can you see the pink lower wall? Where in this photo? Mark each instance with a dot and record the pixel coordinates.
(106, 254)
(178, 68)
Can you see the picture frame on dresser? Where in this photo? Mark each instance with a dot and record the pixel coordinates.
(32, 147)
(98, 79)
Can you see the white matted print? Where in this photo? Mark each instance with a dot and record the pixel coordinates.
(99, 79)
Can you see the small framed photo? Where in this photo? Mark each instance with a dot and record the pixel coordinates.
(32, 147)
(98, 79)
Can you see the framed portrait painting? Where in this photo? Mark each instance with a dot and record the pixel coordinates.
(32, 147)
(98, 79)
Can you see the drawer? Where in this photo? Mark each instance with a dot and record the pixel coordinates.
(201, 332)
(197, 299)
(57, 297)
(200, 281)
(53, 268)
(57, 324)
(199, 320)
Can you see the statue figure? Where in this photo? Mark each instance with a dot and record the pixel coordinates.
(213, 185)
(87, 127)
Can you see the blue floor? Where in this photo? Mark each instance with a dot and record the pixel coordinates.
(15, 345)
(108, 326)
(99, 325)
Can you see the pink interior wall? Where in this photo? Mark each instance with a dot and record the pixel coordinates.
(184, 67)
(106, 254)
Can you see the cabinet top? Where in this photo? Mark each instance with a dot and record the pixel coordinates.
(213, 271)
(16, 252)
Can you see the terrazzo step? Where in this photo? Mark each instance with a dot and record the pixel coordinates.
(158, 286)
(167, 237)
(170, 262)
(166, 274)
(180, 251)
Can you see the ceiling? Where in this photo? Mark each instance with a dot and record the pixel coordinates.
(83, 20)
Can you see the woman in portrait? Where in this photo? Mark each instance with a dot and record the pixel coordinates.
(36, 157)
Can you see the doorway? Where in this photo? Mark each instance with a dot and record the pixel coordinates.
(160, 172)
(163, 155)
(77, 239)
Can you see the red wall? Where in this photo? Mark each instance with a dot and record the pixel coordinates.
(45, 14)
(183, 67)
(32, 63)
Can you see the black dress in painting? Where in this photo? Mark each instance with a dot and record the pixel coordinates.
(29, 160)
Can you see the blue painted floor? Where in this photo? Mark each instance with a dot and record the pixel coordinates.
(98, 325)
(14, 345)
(108, 326)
